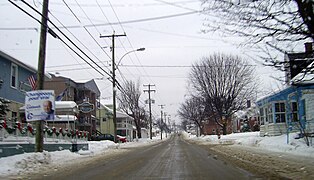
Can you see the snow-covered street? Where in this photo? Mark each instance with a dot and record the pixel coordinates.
(242, 144)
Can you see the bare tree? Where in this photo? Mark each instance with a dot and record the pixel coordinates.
(269, 25)
(270, 21)
(129, 102)
(193, 109)
(225, 82)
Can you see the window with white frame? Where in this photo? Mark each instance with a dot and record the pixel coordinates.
(24, 87)
(280, 112)
(14, 75)
(294, 112)
(269, 110)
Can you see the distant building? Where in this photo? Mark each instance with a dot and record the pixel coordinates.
(125, 123)
(84, 94)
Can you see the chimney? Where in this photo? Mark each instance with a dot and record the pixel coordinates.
(308, 47)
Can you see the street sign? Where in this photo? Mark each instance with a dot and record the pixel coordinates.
(86, 107)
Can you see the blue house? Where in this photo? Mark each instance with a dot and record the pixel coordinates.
(287, 110)
(291, 109)
(14, 76)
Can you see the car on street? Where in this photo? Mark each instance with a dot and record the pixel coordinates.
(110, 137)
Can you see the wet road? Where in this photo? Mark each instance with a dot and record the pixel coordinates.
(171, 159)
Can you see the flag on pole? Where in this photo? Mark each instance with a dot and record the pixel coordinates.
(33, 81)
(61, 95)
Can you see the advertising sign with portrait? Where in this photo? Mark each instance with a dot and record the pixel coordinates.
(40, 105)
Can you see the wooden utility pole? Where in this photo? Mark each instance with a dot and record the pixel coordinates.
(165, 115)
(150, 109)
(39, 144)
(161, 123)
(114, 109)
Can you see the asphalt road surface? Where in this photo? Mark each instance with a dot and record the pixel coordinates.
(170, 159)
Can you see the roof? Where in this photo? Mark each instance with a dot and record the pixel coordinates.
(119, 114)
(17, 62)
(21, 64)
(91, 85)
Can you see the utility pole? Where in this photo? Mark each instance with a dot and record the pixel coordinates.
(150, 109)
(114, 84)
(39, 144)
(165, 115)
(161, 123)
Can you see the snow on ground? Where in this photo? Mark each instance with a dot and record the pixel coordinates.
(284, 143)
(29, 162)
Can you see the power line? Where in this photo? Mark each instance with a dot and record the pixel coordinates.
(115, 23)
(76, 37)
(56, 36)
(129, 43)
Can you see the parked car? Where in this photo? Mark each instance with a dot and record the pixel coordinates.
(100, 137)
(122, 138)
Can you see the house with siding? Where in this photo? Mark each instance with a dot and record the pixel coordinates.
(291, 109)
(14, 76)
(125, 123)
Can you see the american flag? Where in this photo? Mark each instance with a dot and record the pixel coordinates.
(32, 81)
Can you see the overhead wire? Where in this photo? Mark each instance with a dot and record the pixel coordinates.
(104, 14)
(66, 38)
(115, 23)
(118, 84)
(52, 33)
(118, 19)
(75, 37)
(127, 39)
(88, 30)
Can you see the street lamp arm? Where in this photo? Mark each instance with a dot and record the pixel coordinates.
(140, 49)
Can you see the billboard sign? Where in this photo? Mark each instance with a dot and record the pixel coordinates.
(40, 105)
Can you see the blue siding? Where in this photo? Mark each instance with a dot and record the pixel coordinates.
(6, 91)
(288, 95)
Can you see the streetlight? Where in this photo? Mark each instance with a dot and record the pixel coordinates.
(139, 49)
(114, 89)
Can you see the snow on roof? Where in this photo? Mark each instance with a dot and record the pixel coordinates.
(64, 118)
(119, 114)
(65, 104)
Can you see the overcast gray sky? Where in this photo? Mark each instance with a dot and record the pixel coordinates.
(169, 30)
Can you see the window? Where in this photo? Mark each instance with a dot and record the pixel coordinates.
(25, 87)
(262, 116)
(294, 112)
(280, 112)
(269, 112)
(14, 75)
